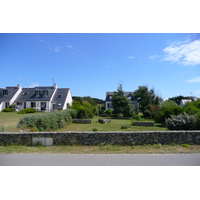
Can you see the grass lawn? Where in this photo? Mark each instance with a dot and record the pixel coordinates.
(115, 125)
(9, 121)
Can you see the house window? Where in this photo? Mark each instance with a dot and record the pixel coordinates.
(45, 92)
(59, 96)
(110, 97)
(19, 103)
(25, 93)
(37, 93)
(5, 92)
(33, 104)
(110, 105)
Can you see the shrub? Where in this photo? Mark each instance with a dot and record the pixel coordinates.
(8, 110)
(47, 121)
(125, 127)
(137, 117)
(162, 115)
(182, 122)
(95, 129)
(27, 110)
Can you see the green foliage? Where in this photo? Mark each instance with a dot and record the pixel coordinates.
(182, 122)
(146, 98)
(137, 117)
(27, 110)
(47, 121)
(192, 107)
(92, 101)
(84, 109)
(185, 145)
(121, 104)
(125, 127)
(94, 129)
(8, 110)
(166, 112)
(106, 113)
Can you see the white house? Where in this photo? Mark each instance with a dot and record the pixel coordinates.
(8, 95)
(129, 95)
(46, 98)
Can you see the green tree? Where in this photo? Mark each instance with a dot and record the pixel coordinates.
(146, 98)
(121, 104)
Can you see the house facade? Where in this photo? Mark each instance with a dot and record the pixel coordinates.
(129, 95)
(41, 98)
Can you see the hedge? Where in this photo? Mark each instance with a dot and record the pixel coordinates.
(47, 121)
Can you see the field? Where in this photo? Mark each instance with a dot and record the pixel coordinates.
(10, 120)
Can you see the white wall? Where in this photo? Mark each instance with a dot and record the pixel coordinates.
(16, 94)
(68, 100)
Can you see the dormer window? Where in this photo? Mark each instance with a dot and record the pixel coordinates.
(110, 97)
(37, 93)
(25, 93)
(59, 96)
(45, 92)
(5, 92)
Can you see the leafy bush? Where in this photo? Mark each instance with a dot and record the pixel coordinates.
(166, 112)
(84, 109)
(182, 122)
(125, 127)
(8, 110)
(27, 110)
(47, 121)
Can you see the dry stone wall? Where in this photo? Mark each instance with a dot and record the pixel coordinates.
(94, 138)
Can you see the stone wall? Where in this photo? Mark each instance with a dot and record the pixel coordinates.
(82, 121)
(140, 123)
(93, 138)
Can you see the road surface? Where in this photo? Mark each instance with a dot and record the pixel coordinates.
(99, 159)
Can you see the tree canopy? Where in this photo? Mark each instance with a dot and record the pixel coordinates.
(146, 98)
(121, 104)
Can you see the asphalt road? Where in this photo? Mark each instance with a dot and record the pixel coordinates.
(99, 159)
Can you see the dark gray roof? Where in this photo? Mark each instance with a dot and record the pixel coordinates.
(126, 94)
(60, 97)
(9, 95)
(29, 94)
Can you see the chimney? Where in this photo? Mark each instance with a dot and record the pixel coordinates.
(19, 86)
(55, 85)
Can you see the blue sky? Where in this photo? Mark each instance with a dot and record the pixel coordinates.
(90, 64)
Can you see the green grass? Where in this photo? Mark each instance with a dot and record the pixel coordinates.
(10, 120)
(115, 125)
(100, 149)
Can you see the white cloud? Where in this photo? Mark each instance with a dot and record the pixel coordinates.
(70, 46)
(186, 53)
(21, 78)
(34, 84)
(131, 57)
(57, 49)
(194, 80)
(153, 57)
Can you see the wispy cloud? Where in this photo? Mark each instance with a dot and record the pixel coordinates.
(186, 53)
(131, 57)
(34, 84)
(194, 80)
(153, 57)
(70, 46)
(21, 78)
(58, 49)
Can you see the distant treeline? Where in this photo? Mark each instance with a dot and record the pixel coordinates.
(93, 101)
